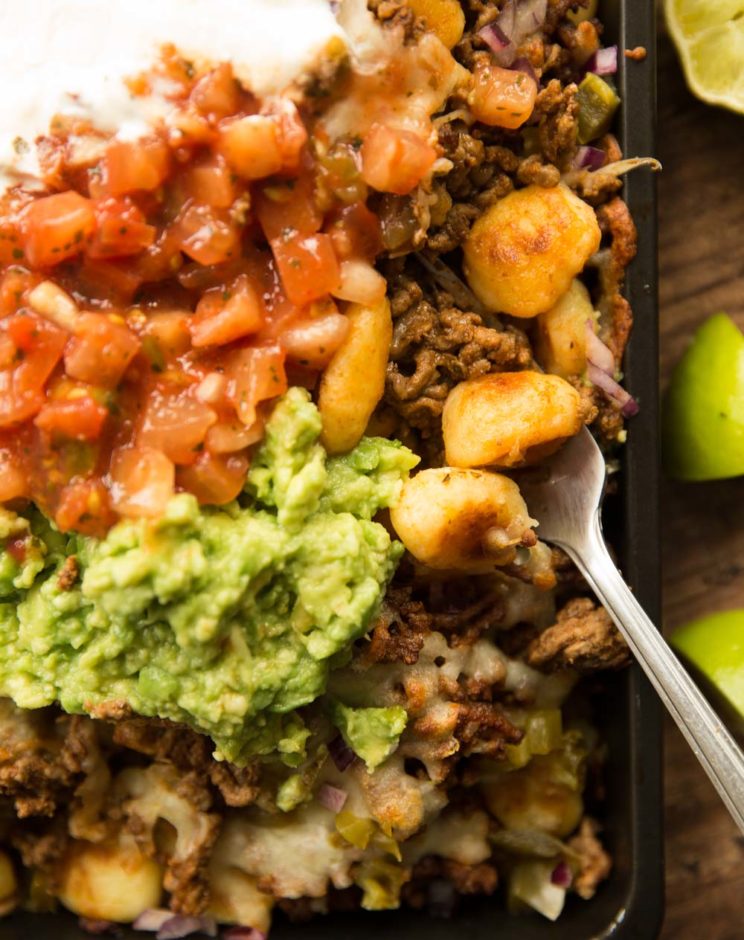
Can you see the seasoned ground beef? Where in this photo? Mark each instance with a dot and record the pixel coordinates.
(583, 638)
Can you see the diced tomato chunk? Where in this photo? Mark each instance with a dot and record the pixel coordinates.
(226, 315)
(101, 350)
(85, 506)
(11, 251)
(113, 281)
(255, 374)
(212, 183)
(15, 284)
(395, 161)
(131, 165)
(206, 235)
(502, 97)
(288, 207)
(80, 419)
(214, 479)
(56, 228)
(143, 481)
(121, 230)
(39, 346)
(218, 93)
(291, 132)
(307, 265)
(176, 423)
(252, 147)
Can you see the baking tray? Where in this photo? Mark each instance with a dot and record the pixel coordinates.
(630, 905)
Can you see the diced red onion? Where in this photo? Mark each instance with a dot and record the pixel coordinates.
(603, 62)
(244, 933)
(616, 393)
(518, 20)
(341, 754)
(332, 798)
(494, 37)
(178, 926)
(589, 158)
(562, 876)
(153, 919)
(596, 351)
(98, 927)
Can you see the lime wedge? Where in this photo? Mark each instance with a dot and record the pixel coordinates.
(703, 415)
(709, 35)
(715, 646)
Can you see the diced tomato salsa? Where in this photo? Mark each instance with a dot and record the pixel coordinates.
(155, 297)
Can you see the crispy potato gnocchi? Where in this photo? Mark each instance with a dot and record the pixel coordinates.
(109, 882)
(560, 335)
(443, 17)
(507, 419)
(523, 252)
(535, 797)
(354, 380)
(466, 520)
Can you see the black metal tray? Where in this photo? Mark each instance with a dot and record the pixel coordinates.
(630, 905)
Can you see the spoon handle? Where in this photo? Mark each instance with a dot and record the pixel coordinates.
(712, 744)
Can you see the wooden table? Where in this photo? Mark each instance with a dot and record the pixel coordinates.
(701, 272)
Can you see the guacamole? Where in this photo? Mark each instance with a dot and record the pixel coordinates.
(225, 619)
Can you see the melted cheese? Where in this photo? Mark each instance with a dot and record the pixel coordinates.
(72, 56)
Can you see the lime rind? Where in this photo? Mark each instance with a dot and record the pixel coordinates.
(703, 414)
(710, 40)
(714, 645)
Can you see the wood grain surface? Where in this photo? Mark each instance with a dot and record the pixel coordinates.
(701, 233)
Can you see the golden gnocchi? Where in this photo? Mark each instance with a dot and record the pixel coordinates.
(506, 419)
(109, 881)
(523, 252)
(535, 797)
(560, 335)
(467, 520)
(354, 380)
(443, 17)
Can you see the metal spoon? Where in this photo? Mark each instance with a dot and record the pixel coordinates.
(566, 498)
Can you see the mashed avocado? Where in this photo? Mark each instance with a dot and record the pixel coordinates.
(226, 619)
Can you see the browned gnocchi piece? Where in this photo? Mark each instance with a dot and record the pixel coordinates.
(465, 520)
(560, 337)
(443, 17)
(523, 252)
(354, 380)
(507, 419)
(109, 882)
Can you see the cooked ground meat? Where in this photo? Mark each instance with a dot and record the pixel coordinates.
(558, 111)
(41, 761)
(483, 728)
(595, 863)
(583, 638)
(190, 752)
(435, 346)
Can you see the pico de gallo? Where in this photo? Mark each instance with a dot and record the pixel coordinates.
(159, 293)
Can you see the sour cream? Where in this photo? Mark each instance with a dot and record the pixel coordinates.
(72, 56)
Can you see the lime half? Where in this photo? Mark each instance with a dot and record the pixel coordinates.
(715, 646)
(709, 35)
(704, 405)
